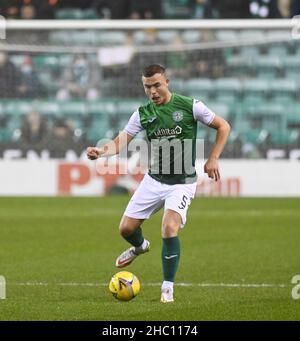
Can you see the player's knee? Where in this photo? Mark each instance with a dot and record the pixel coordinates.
(170, 229)
(126, 230)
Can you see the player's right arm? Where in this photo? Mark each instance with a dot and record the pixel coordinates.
(132, 128)
(110, 148)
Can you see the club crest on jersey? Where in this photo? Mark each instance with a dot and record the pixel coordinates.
(177, 116)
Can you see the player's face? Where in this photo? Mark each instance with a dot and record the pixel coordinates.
(156, 88)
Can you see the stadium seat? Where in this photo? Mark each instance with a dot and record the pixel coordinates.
(2, 108)
(98, 129)
(278, 50)
(267, 74)
(46, 62)
(167, 36)
(269, 109)
(293, 116)
(102, 107)
(293, 74)
(86, 37)
(228, 85)
(227, 35)
(68, 13)
(127, 107)
(73, 108)
(18, 107)
(177, 85)
(220, 109)
(176, 9)
(6, 135)
(284, 86)
(48, 108)
(60, 37)
(241, 124)
(285, 99)
(284, 138)
(227, 89)
(239, 65)
(258, 87)
(267, 64)
(252, 35)
(191, 36)
(278, 35)
(255, 92)
(11, 131)
(144, 37)
(89, 14)
(226, 98)
(250, 51)
(199, 87)
(252, 100)
(271, 116)
(236, 108)
(111, 38)
(292, 63)
(49, 83)
(255, 136)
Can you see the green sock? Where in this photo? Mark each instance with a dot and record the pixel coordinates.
(170, 257)
(136, 238)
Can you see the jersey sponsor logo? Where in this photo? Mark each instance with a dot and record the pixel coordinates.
(177, 116)
(168, 132)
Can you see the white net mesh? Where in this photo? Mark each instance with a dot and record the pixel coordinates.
(65, 89)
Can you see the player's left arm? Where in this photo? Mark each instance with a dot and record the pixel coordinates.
(211, 166)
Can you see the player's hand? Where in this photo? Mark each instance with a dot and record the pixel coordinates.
(93, 153)
(211, 167)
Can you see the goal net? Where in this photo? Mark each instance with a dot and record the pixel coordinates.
(63, 88)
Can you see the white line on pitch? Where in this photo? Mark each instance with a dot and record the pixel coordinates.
(216, 285)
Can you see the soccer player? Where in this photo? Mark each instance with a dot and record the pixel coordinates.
(166, 116)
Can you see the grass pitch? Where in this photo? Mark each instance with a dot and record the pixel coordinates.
(238, 259)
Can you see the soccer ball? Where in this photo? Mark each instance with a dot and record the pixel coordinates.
(124, 286)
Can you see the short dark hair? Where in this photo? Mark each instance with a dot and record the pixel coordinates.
(152, 69)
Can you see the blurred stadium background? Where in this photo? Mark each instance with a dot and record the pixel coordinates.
(66, 83)
(69, 76)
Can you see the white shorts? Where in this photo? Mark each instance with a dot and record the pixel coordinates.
(152, 195)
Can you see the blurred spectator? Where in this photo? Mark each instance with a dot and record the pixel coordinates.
(10, 9)
(205, 67)
(80, 80)
(145, 9)
(116, 9)
(34, 131)
(28, 12)
(10, 78)
(295, 8)
(61, 139)
(30, 86)
(229, 9)
(202, 9)
(284, 8)
(45, 9)
(264, 9)
(12, 13)
(83, 4)
(38, 9)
